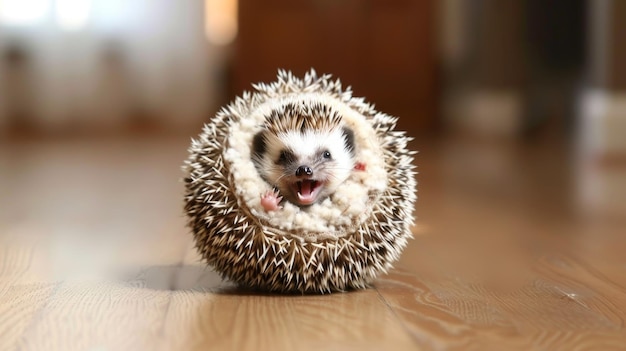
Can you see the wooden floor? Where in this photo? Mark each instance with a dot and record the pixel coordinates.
(517, 247)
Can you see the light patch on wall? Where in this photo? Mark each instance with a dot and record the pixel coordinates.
(72, 14)
(23, 12)
(220, 18)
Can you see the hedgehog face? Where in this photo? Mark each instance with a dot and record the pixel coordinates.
(305, 166)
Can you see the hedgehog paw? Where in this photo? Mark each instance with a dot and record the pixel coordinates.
(270, 200)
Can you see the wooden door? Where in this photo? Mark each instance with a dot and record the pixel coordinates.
(384, 49)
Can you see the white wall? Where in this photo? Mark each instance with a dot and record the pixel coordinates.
(148, 55)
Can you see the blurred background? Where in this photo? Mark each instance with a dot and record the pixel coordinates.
(517, 69)
(518, 105)
(517, 109)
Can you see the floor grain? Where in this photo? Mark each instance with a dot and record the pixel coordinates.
(94, 255)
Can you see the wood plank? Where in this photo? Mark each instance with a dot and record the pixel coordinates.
(240, 321)
(94, 255)
(145, 313)
(564, 304)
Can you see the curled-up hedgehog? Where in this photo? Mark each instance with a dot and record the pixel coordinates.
(305, 152)
(298, 186)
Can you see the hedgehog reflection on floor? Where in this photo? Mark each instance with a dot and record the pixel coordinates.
(305, 152)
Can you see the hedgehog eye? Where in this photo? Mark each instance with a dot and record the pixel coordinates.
(326, 154)
(285, 157)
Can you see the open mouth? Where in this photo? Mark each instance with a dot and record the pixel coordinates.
(307, 190)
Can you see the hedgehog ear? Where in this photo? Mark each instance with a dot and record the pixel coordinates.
(348, 137)
(259, 145)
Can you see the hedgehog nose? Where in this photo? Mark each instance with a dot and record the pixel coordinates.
(304, 171)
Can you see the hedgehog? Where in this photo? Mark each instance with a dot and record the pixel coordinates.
(305, 152)
(299, 187)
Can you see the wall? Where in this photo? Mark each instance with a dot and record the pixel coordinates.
(144, 61)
